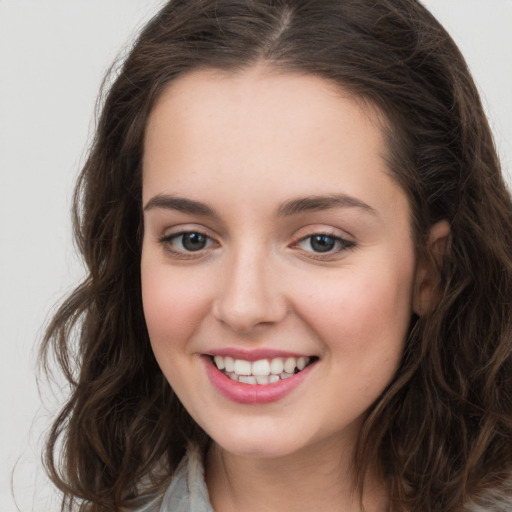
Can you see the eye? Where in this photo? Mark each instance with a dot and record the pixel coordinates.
(186, 242)
(324, 243)
(321, 243)
(192, 241)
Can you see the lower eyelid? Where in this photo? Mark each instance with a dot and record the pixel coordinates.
(166, 241)
(341, 245)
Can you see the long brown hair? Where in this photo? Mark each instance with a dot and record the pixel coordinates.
(442, 430)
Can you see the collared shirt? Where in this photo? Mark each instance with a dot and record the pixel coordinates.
(187, 491)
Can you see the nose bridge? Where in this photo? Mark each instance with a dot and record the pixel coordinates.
(249, 294)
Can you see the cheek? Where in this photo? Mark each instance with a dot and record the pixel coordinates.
(173, 306)
(361, 310)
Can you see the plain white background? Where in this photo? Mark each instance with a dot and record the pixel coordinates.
(53, 55)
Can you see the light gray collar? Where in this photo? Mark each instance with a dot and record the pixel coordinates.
(188, 492)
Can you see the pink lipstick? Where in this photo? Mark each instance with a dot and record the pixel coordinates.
(277, 373)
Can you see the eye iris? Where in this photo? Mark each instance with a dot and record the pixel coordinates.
(322, 243)
(193, 241)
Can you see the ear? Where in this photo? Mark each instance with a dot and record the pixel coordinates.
(428, 272)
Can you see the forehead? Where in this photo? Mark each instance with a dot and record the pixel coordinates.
(213, 93)
(261, 129)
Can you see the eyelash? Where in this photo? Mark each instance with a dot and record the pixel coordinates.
(167, 242)
(340, 245)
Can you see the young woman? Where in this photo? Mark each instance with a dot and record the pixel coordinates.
(300, 282)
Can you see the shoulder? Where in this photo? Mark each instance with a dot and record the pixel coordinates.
(187, 491)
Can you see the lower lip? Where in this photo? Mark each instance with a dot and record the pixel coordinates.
(253, 393)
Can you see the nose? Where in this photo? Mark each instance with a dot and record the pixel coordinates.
(249, 295)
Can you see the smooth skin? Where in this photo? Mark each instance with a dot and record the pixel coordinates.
(234, 256)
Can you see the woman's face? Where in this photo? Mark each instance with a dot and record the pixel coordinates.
(275, 241)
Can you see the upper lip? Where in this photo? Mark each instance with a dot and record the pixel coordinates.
(254, 354)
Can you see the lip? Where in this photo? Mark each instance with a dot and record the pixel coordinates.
(255, 354)
(253, 393)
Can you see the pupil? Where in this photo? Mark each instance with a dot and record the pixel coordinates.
(193, 241)
(322, 243)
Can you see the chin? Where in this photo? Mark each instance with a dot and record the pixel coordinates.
(267, 445)
(258, 450)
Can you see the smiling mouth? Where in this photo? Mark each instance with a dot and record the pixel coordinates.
(263, 371)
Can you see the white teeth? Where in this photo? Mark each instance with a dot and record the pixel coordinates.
(229, 364)
(290, 364)
(276, 366)
(242, 367)
(247, 379)
(262, 379)
(261, 367)
(263, 371)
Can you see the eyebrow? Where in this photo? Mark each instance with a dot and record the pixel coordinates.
(180, 204)
(289, 208)
(319, 203)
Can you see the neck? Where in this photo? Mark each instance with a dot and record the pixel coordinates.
(316, 478)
